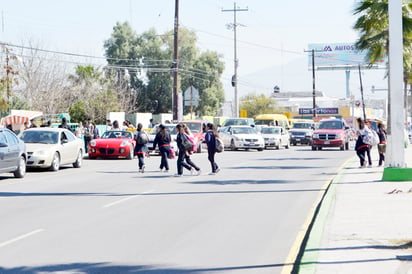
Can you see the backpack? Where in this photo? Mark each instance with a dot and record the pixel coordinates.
(142, 138)
(186, 143)
(192, 140)
(219, 145)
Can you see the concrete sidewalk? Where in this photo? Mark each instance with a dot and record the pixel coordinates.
(364, 225)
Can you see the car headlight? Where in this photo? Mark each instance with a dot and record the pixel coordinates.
(338, 136)
(315, 136)
(124, 143)
(92, 143)
(238, 138)
(308, 134)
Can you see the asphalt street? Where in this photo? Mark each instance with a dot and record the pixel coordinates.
(107, 218)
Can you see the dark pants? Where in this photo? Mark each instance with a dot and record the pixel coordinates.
(164, 151)
(361, 154)
(211, 156)
(368, 152)
(381, 149)
(87, 140)
(140, 158)
(190, 162)
(181, 162)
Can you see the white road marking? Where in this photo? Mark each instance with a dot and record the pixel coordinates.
(126, 199)
(21, 237)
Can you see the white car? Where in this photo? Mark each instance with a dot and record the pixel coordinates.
(275, 137)
(152, 134)
(52, 147)
(243, 137)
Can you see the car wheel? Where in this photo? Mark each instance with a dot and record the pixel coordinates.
(313, 148)
(232, 145)
(260, 149)
(342, 147)
(294, 144)
(21, 168)
(131, 153)
(79, 160)
(55, 165)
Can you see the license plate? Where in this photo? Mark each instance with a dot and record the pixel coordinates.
(297, 139)
(327, 142)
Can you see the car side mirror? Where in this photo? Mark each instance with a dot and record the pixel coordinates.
(64, 141)
(3, 145)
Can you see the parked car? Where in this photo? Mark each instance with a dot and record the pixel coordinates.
(52, 147)
(239, 122)
(152, 134)
(244, 137)
(331, 133)
(275, 137)
(113, 144)
(301, 132)
(198, 129)
(13, 155)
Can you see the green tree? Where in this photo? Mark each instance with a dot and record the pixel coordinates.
(256, 104)
(150, 56)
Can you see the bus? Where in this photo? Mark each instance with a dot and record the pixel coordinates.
(272, 120)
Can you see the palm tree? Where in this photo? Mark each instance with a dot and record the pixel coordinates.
(373, 26)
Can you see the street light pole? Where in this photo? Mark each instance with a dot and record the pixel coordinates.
(175, 66)
(236, 61)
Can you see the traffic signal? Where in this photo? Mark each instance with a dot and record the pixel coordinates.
(233, 80)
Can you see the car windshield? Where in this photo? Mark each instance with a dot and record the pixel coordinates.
(330, 125)
(270, 130)
(113, 134)
(302, 125)
(243, 130)
(170, 127)
(43, 137)
(237, 122)
(194, 127)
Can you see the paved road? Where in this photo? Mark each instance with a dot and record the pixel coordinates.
(107, 218)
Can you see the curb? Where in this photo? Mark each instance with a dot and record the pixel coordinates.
(293, 263)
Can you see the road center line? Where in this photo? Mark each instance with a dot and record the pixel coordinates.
(21, 237)
(126, 199)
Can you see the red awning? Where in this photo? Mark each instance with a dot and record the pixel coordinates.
(14, 120)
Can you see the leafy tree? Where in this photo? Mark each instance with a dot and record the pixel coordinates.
(259, 104)
(151, 55)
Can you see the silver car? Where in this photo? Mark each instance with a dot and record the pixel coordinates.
(275, 137)
(12, 153)
(52, 147)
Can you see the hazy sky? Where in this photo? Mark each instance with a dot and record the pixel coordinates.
(271, 38)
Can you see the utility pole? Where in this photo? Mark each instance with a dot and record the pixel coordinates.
(236, 63)
(313, 80)
(361, 90)
(175, 66)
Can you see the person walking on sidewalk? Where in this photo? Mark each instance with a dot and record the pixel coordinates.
(162, 139)
(180, 138)
(190, 136)
(210, 138)
(360, 147)
(382, 143)
(141, 149)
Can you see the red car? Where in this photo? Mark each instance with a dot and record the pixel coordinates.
(331, 133)
(113, 144)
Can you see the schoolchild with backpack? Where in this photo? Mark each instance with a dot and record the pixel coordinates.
(210, 138)
(191, 138)
(141, 149)
(361, 147)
